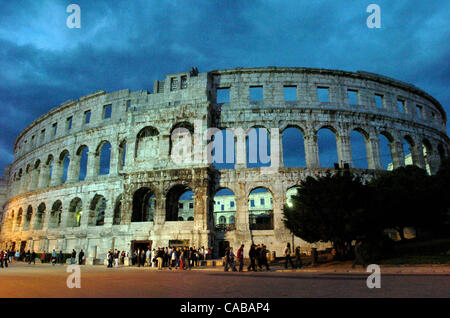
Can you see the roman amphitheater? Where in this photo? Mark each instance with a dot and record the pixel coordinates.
(98, 173)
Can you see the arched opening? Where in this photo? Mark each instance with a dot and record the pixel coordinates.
(358, 141)
(75, 213)
(64, 160)
(428, 156)
(118, 211)
(181, 143)
(327, 147)
(55, 215)
(122, 154)
(147, 143)
(291, 192)
(40, 215)
(180, 203)
(19, 219)
(224, 210)
(83, 156)
(408, 148)
(223, 149)
(97, 211)
(144, 205)
(386, 149)
(104, 157)
(260, 209)
(28, 217)
(258, 148)
(293, 147)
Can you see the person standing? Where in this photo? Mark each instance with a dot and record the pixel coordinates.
(60, 257)
(148, 259)
(110, 257)
(359, 259)
(80, 257)
(160, 256)
(33, 257)
(240, 257)
(73, 257)
(252, 255)
(43, 257)
(5, 259)
(264, 258)
(1, 259)
(287, 255)
(298, 260)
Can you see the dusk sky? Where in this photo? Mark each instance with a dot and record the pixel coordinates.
(129, 44)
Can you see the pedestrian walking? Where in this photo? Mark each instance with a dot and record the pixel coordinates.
(252, 255)
(359, 259)
(33, 257)
(298, 259)
(287, 255)
(73, 257)
(240, 257)
(53, 259)
(264, 261)
(60, 257)
(80, 257)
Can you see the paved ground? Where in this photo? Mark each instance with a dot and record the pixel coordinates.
(44, 280)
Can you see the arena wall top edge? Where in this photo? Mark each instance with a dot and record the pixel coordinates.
(207, 81)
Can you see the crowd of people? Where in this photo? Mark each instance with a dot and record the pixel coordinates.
(163, 257)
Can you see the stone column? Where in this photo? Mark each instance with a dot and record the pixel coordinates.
(242, 214)
(34, 179)
(130, 155)
(43, 176)
(114, 160)
(91, 171)
(276, 148)
(311, 151)
(201, 206)
(56, 173)
(74, 168)
(417, 155)
(240, 149)
(373, 153)
(397, 154)
(344, 150)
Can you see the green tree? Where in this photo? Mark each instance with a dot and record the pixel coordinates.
(333, 208)
(402, 198)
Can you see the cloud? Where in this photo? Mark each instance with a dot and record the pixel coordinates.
(130, 44)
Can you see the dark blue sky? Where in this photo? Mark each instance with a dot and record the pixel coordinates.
(129, 44)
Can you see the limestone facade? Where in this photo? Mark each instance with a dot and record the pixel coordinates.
(54, 200)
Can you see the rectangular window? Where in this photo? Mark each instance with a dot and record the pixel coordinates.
(69, 123)
(419, 111)
(352, 97)
(323, 94)
(379, 101)
(183, 82)
(173, 84)
(128, 105)
(256, 94)
(252, 203)
(180, 205)
(54, 128)
(223, 95)
(262, 201)
(290, 93)
(87, 117)
(222, 207)
(42, 137)
(231, 204)
(33, 140)
(107, 111)
(433, 115)
(191, 205)
(401, 106)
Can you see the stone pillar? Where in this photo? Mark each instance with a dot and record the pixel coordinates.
(240, 149)
(56, 173)
(159, 218)
(114, 160)
(131, 152)
(86, 211)
(44, 177)
(344, 150)
(311, 151)
(91, 172)
(201, 206)
(34, 179)
(397, 154)
(242, 214)
(417, 155)
(373, 153)
(74, 169)
(276, 148)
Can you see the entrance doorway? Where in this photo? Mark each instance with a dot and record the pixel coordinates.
(138, 246)
(223, 245)
(23, 244)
